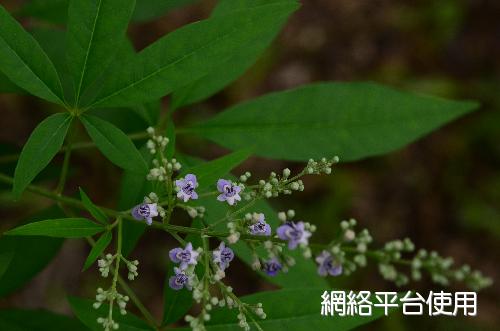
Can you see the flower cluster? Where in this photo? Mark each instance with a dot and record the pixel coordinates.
(111, 295)
(270, 241)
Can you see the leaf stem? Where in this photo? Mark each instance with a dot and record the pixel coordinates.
(67, 156)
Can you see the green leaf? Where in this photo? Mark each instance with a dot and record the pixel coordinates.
(351, 120)
(5, 258)
(239, 61)
(114, 144)
(95, 211)
(291, 310)
(146, 10)
(24, 62)
(7, 86)
(58, 228)
(88, 315)
(56, 11)
(53, 11)
(98, 248)
(43, 144)
(207, 173)
(185, 55)
(150, 111)
(96, 28)
(18, 272)
(37, 320)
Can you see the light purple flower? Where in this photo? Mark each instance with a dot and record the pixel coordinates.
(272, 267)
(145, 211)
(327, 265)
(184, 256)
(222, 256)
(179, 280)
(294, 233)
(229, 191)
(260, 228)
(186, 187)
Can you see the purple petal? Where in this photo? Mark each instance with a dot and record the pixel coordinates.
(180, 183)
(281, 231)
(336, 270)
(173, 284)
(221, 183)
(191, 178)
(267, 230)
(135, 213)
(194, 195)
(173, 254)
(221, 197)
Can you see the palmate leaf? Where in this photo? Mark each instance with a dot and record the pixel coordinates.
(96, 28)
(24, 62)
(185, 55)
(239, 61)
(114, 144)
(43, 144)
(146, 10)
(37, 320)
(56, 11)
(58, 228)
(88, 315)
(351, 120)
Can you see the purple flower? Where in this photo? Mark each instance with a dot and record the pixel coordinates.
(184, 256)
(294, 233)
(229, 191)
(260, 228)
(327, 266)
(186, 187)
(145, 211)
(179, 280)
(272, 267)
(223, 255)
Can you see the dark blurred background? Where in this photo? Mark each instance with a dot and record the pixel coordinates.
(442, 191)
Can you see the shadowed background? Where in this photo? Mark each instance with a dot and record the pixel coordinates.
(442, 191)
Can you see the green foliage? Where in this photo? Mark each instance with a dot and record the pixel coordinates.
(59, 228)
(185, 55)
(95, 211)
(290, 310)
(96, 28)
(24, 62)
(241, 58)
(98, 248)
(37, 320)
(146, 10)
(17, 272)
(88, 315)
(207, 173)
(114, 144)
(56, 11)
(43, 144)
(351, 120)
